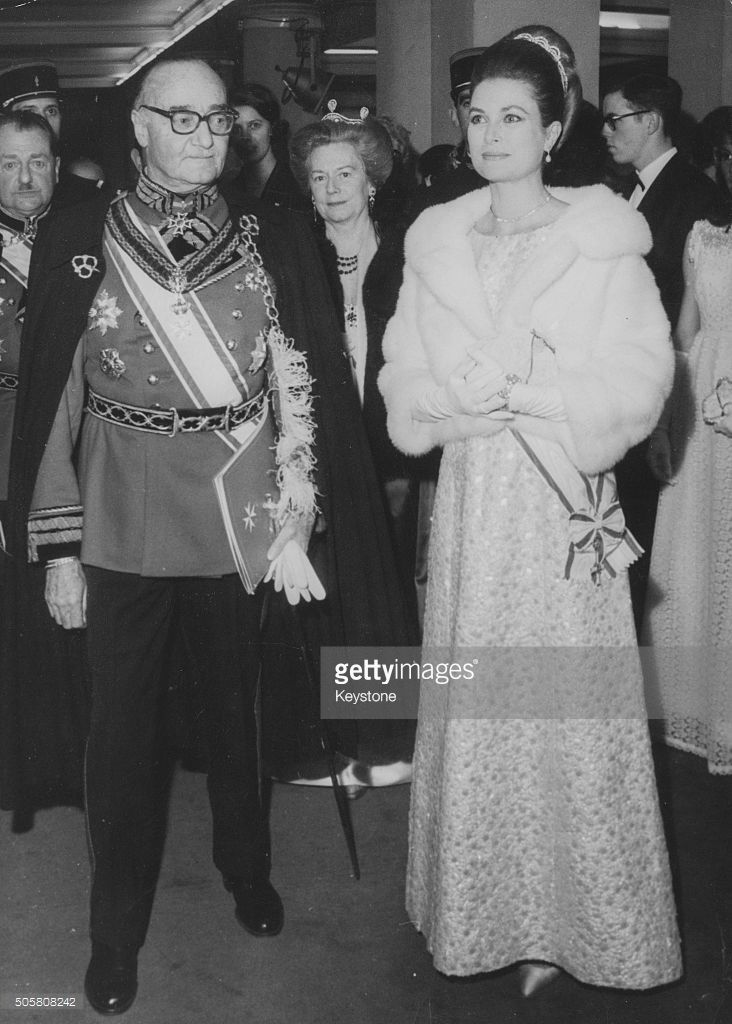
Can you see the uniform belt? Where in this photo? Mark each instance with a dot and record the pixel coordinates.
(174, 421)
(8, 382)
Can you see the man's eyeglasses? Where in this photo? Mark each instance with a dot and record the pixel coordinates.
(611, 120)
(185, 122)
(722, 156)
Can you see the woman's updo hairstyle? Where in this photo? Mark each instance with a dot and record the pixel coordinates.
(369, 138)
(544, 60)
(261, 99)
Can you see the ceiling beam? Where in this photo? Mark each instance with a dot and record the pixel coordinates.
(50, 34)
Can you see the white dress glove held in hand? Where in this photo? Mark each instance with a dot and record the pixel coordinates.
(292, 572)
(534, 400)
(471, 390)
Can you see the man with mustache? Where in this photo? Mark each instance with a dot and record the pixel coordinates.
(42, 723)
(35, 87)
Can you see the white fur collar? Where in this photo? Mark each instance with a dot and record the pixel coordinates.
(597, 225)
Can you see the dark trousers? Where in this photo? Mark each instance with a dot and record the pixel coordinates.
(129, 619)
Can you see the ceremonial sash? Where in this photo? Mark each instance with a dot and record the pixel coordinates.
(189, 341)
(598, 538)
(16, 259)
(245, 487)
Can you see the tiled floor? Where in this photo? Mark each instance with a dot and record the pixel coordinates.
(347, 954)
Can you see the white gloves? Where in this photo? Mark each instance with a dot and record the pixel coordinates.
(472, 389)
(291, 570)
(535, 400)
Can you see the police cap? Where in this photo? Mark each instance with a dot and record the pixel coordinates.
(25, 81)
(461, 68)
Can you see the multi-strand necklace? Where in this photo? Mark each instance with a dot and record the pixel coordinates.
(347, 265)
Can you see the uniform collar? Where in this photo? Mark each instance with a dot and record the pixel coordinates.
(19, 229)
(170, 203)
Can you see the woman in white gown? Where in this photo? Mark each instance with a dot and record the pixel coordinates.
(530, 342)
(689, 608)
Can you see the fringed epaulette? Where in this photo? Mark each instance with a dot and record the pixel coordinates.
(53, 527)
(291, 388)
(294, 406)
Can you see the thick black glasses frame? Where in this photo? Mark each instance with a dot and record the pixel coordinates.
(611, 119)
(171, 115)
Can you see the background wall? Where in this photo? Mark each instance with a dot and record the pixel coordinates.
(404, 66)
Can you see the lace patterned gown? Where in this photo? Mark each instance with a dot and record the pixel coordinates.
(531, 838)
(689, 609)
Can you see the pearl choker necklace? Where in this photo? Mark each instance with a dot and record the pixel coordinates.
(347, 264)
(515, 220)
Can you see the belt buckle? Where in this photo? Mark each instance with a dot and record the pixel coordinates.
(175, 426)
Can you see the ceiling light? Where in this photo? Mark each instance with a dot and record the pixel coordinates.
(632, 22)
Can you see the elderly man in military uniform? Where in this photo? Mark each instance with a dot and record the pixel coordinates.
(35, 87)
(176, 322)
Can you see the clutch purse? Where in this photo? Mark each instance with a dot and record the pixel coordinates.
(247, 495)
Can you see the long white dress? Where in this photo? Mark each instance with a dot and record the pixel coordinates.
(533, 835)
(689, 608)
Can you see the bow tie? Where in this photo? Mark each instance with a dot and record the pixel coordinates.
(639, 181)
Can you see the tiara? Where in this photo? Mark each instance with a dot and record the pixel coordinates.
(553, 52)
(333, 116)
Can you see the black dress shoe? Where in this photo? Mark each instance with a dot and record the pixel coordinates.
(259, 908)
(111, 979)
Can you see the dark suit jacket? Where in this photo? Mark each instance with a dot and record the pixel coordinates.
(678, 197)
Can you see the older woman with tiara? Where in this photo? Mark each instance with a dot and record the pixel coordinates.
(341, 162)
(529, 341)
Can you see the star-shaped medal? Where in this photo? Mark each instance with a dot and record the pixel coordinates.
(250, 516)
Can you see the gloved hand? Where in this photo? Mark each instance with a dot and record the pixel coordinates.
(471, 390)
(719, 403)
(724, 425)
(291, 570)
(536, 400)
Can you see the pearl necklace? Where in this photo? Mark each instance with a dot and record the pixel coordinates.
(515, 220)
(347, 264)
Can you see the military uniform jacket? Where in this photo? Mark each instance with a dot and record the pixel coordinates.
(148, 500)
(353, 556)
